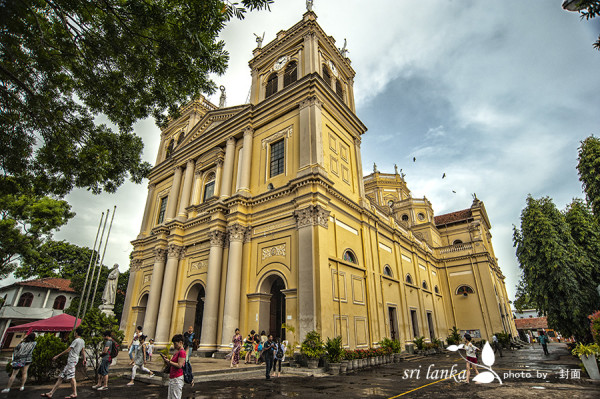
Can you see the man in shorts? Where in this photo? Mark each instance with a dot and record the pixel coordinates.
(102, 384)
(77, 347)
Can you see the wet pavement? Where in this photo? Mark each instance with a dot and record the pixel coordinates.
(524, 373)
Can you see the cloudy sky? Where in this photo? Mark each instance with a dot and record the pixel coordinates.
(497, 95)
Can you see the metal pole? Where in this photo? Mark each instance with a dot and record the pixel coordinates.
(102, 259)
(88, 271)
(87, 296)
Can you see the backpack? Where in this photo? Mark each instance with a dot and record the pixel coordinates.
(114, 350)
(188, 376)
(260, 347)
(279, 353)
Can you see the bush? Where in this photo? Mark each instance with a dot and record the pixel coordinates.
(419, 343)
(312, 346)
(334, 349)
(454, 338)
(42, 367)
(503, 339)
(94, 324)
(595, 326)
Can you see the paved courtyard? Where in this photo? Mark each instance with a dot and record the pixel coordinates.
(524, 373)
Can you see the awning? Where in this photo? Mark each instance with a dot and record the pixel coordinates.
(62, 322)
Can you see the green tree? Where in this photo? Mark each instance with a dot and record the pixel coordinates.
(94, 324)
(589, 171)
(585, 231)
(555, 271)
(62, 63)
(587, 8)
(26, 222)
(43, 367)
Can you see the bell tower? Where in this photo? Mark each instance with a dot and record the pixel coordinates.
(296, 53)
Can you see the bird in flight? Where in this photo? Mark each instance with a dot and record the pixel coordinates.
(444, 175)
(414, 159)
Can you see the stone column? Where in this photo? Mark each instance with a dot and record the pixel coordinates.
(166, 298)
(173, 194)
(218, 177)
(231, 313)
(228, 168)
(246, 159)
(311, 58)
(208, 340)
(307, 219)
(154, 294)
(135, 265)
(197, 188)
(311, 138)
(146, 218)
(187, 190)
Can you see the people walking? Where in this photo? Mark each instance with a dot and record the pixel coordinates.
(139, 358)
(278, 356)
(497, 345)
(544, 342)
(176, 368)
(237, 347)
(188, 341)
(267, 355)
(471, 356)
(22, 358)
(135, 342)
(74, 350)
(102, 384)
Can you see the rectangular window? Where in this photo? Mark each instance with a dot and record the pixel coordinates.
(161, 210)
(277, 158)
(431, 328)
(209, 190)
(415, 322)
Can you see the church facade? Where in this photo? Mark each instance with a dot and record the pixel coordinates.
(259, 217)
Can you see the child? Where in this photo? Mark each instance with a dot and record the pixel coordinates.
(471, 356)
(150, 349)
(139, 357)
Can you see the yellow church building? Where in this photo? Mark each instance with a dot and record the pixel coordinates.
(259, 215)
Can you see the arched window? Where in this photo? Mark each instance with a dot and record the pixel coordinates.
(409, 279)
(349, 256)
(405, 218)
(387, 271)
(25, 300)
(291, 74)
(59, 302)
(170, 148)
(209, 187)
(436, 289)
(424, 285)
(338, 90)
(180, 139)
(457, 242)
(464, 289)
(271, 85)
(326, 75)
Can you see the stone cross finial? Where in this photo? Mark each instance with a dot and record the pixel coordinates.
(309, 5)
(396, 168)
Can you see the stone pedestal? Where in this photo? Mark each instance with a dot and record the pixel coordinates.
(108, 310)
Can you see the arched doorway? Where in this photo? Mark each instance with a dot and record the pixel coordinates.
(141, 310)
(277, 308)
(199, 313)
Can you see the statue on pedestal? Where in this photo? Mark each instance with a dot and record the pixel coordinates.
(110, 291)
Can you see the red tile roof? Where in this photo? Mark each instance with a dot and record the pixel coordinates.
(453, 217)
(529, 323)
(61, 284)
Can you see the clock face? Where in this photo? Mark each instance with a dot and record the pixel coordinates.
(333, 69)
(281, 61)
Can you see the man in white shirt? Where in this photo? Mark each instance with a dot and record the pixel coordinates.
(77, 347)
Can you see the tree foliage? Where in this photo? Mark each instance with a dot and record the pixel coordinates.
(591, 9)
(589, 171)
(43, 367)
(26, 222)
(62, 63)
(557, 275)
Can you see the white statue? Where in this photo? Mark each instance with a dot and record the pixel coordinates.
(259, 39)
(110, 290)
(223, 97)
(344, 50)
(309, 5)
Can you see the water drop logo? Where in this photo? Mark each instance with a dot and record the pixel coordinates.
(487, 358)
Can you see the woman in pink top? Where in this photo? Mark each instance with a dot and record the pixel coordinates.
(176, 370)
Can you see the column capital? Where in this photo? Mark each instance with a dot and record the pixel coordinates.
(175, 251)
(310, 101)
(159, 254)
(178, 169)
(151, 186)
(217, 238)
(312, 215)
(237, 232)
(135, 265)
(219, 162)
(190, 162)
(231, 141)
(248, 130)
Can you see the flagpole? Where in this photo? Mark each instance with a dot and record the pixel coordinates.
(88, 271)
(87, 297)
(102, 259)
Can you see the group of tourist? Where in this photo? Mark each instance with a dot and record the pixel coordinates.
(259, 348)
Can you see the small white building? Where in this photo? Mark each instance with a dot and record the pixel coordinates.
(27, 301)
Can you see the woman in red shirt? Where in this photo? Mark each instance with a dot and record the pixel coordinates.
(176, 370)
